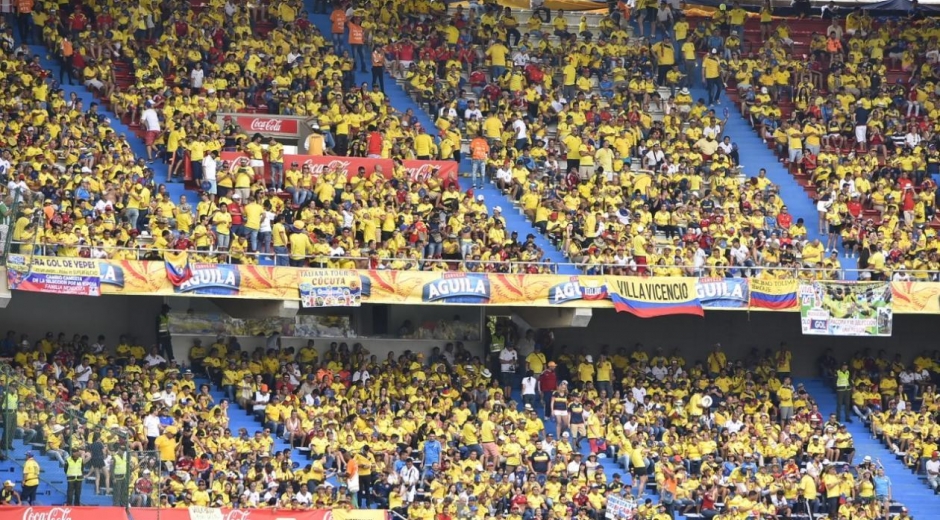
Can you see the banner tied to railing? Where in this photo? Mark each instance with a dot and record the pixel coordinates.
(846, 309)
(641, 296)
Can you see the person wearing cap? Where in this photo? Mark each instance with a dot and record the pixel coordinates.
(711, 76)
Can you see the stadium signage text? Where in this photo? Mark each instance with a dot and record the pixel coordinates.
(268, 125)
(654, 291)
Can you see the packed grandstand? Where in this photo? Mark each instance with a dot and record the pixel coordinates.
(535, 431)
(588, 125)
(586, 122)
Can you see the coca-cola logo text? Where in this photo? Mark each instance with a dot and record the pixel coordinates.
(52, 513)
(237, 514)
(268, 125)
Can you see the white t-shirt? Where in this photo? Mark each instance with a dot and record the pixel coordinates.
(932, 467)
(521, 130)
(152, 426)
(528, 385)
(196, 77)
(150, 120)
(507, 360)
(266, 218)
(209, 167)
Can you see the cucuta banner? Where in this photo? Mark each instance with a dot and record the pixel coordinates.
(655, 296)
(330, 288)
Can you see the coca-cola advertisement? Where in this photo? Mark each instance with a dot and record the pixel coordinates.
(268, 125)
(61, 513)
(319, 164)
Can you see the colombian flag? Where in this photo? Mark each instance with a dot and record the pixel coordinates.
(656, 296)
(773, 294)
(178, 270)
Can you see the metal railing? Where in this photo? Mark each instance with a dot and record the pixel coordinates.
(630, 268)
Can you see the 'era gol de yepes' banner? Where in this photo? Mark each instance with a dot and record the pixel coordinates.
(656, 296)
(330, 288)
(77, 276)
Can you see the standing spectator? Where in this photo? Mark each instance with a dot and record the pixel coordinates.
(378, 68)
(479, 152)
(711, 76)
(548, 382)
(31, 472)
(24, 19)
(508, 364)
(151, 123)
(163, 338)
(529, 389)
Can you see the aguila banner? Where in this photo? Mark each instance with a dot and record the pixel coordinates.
(146, 513)
(320, 164)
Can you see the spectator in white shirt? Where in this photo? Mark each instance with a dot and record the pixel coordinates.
(154, 358)
(932, 467)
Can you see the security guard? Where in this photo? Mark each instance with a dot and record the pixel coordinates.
(163, 332)
(10, 404)
(844, 393)
(120, 477)
(75, 475)
(31, 472)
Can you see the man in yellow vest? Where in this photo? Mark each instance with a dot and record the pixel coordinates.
(163, 332)
(75, 475)
(844, 393)
(31, 472)
(120, 477)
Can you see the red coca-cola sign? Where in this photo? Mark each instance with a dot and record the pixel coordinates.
(47, 513)
(268, 125)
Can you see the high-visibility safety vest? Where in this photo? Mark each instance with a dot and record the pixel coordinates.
(164, 324)
(73, 469)
(11, 401)
(842, 378)
(120, 465)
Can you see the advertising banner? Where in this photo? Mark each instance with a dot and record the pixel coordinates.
(722, 293)
(77, 276)
(149, 513)
(655, 296)
(846, 308)
(773, 295)
(641, 296)
(915, 297)
(330, 288)
(320, 164)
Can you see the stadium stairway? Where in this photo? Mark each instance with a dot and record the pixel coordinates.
(52, 483)
(755, 155)
(906, 487)
(401, 101)
(137, 144)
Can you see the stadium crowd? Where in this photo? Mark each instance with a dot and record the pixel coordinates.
(87, 195)
(898, 401)
(591, 131)
(520, 434)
